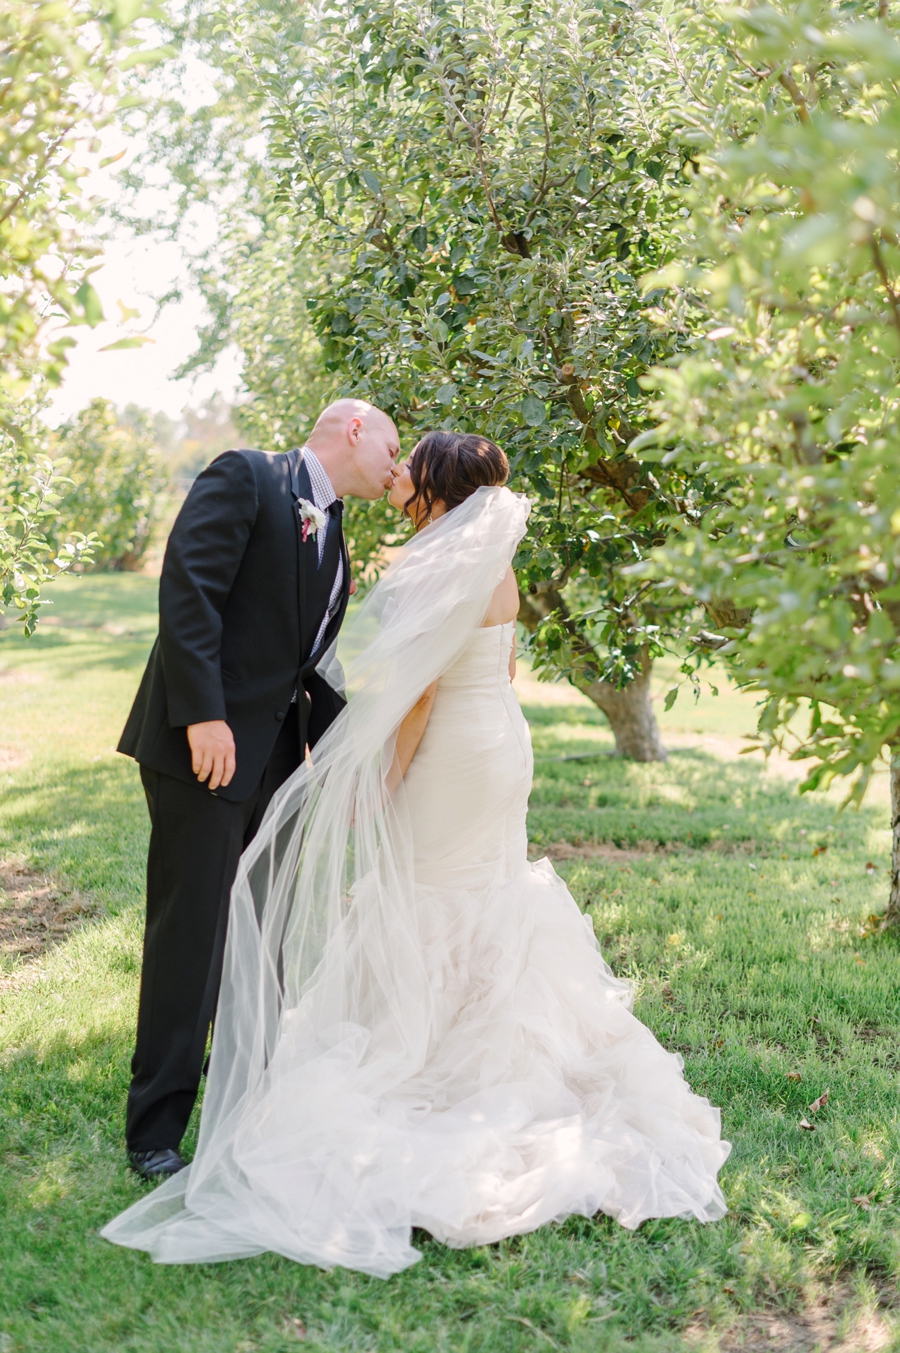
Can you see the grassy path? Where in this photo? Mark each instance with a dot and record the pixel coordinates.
(708, 885)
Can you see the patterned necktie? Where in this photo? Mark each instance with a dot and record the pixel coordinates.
(329, 565)
(332, 548)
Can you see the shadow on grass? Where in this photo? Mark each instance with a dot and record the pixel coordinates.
(98, 598)
(695, 800)
(548, 716)
(88, 825)
(72, 1089)
(86, 653)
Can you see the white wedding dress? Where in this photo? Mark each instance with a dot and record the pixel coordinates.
(461, 1059)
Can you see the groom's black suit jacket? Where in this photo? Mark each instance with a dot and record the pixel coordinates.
(241, 599)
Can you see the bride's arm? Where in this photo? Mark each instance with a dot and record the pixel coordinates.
(409, 735)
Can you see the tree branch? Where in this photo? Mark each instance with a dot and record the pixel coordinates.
(620, 475)
(886, 283)
(787, 81)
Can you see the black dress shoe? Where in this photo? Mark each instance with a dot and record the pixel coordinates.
(155, 1164)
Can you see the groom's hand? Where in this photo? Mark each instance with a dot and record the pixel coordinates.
(212, 752)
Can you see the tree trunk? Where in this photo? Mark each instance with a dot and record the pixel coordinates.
(630, 714)
(892, 915)
(629, 710)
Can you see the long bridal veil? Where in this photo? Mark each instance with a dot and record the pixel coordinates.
(331, 841)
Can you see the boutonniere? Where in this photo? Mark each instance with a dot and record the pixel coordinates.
(312, 518)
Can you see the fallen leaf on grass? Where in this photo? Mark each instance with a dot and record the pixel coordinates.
(807, 1127)
(819, 1103)
(297, 1327)
(862, 1201)
(794, 1076)
(820, 850)
(870, 867)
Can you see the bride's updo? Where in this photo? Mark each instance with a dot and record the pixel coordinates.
(448, 467)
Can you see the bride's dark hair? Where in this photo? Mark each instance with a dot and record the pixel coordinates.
(448, 467)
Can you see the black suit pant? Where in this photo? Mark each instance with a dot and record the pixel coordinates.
(196, 840)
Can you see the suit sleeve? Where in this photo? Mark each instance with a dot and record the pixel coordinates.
(203, 556)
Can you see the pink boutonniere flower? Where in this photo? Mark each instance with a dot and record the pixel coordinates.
(312, 519)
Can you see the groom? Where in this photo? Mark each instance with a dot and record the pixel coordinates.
(253, 591)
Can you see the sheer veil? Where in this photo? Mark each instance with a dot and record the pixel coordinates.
(299, 942)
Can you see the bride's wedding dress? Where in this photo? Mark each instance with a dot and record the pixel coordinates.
(459, 1058)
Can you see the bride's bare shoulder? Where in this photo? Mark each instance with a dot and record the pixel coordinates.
(505, 601)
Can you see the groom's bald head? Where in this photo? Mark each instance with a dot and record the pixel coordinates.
(337, 415)
(357, 444)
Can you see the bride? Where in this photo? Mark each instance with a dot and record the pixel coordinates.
(416, 1027)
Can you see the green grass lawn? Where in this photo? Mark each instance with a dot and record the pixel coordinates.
(708, 885)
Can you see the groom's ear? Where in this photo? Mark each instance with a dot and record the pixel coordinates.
(354, 428)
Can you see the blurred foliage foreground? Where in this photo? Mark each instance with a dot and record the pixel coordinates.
(788, 401)
(61, 67)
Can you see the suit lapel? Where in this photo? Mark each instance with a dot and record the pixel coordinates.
(307, 555)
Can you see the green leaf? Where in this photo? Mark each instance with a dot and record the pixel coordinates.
(583, 179)
(446, 394)
(372, 181)
(124, 12)
(419, 238)
(120, 344)
(90, 303)
(533, 411)
(59, 346)
(645, 439)
(150, 56)
(671, 697)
